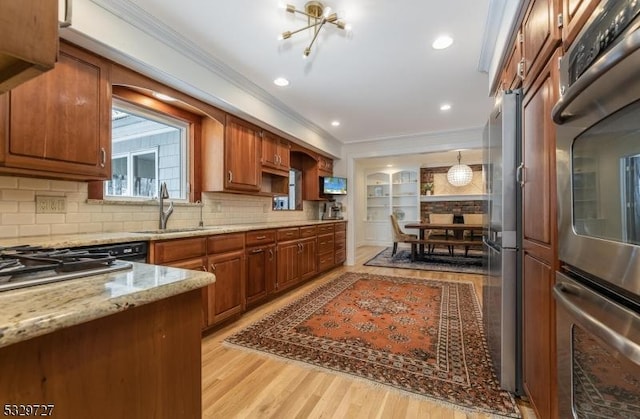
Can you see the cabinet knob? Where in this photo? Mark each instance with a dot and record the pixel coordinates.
(204, 268)
(213, 267)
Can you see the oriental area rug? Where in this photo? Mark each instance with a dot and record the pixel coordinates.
(416, 335)
(440, 260)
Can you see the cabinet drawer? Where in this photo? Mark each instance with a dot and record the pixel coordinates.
(259, 237)
(341, 227)
(285, 234)
(325, 243)
(339, 246)
(341, 236)
(225, 243)
(308, 231)
(325, 261)
(340, 256)
(325, 228)
(178, 249)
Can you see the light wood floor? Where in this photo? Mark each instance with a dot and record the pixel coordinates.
(243, 384)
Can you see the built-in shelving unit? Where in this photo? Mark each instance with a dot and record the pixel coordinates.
(394, 192)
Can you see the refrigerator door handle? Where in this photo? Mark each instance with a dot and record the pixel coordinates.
(520, 174)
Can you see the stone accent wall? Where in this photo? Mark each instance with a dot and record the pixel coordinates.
(456, 207)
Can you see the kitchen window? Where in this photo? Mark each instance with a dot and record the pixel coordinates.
(148, 148)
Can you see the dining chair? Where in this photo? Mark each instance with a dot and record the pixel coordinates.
(400, 236)
(472, 219)
(437, 233)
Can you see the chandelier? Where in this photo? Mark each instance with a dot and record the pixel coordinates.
(459, 174)
(317, 16)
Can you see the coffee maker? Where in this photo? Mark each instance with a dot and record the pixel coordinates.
(332, 211)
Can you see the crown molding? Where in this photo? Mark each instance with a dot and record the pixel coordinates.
(139, 18)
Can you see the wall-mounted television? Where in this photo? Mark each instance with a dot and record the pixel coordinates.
(332, 185)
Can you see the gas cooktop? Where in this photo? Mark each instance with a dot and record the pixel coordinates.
(24, 266)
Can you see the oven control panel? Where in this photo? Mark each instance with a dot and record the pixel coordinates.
(609, 21)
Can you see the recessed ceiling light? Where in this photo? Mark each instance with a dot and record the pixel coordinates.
(442, 42)
(162, 96)
(389, 165)
(335, 123)
(445, 107)
(281, 81)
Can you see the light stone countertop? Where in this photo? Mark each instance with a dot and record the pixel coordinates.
(90, 239)
(33, 311)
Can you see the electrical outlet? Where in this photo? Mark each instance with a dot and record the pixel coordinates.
(51, 204)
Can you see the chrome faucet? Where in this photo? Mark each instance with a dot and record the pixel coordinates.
(164, 215)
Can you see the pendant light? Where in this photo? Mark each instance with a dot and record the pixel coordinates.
(459, 174)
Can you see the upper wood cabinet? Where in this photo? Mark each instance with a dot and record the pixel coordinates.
(58, 125)
(541, 34)
(513, 72)
(575, 13)
(275, 154)
(325, 166)
(242, 148)
(29, 40)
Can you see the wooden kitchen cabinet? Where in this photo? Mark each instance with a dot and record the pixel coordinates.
(312, 170)
(29, 41)
(276, 153)
(226, 258)
(575, 13)
(541, 35)
(340, 243)
(58, 125)
(242, 149)
(513, 73)
(539, 242)
(296, 258)
(261, 266)
(325, 166)
(326, 247)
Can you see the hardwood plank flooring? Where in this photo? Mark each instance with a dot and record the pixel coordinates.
(243, 384)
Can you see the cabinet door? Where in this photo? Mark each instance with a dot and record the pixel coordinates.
(284, 154)
(261, 273)
(539, 240)
(29, 41)
(288, 256)
(60, 122)
(307, 258)
(541, 36)
(538, 335)
(226, 295)
(242, 149)
(269, 150)
(196, 264)
(514, 68)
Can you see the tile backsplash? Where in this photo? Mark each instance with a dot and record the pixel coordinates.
(19, 216)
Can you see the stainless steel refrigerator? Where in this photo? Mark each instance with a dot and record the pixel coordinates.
(501, 291)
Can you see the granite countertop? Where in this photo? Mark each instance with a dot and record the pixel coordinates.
(33, 311)
(89, 239)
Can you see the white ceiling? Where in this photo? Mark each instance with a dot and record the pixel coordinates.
(380, 80)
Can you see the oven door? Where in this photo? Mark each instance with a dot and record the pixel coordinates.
(598, 164)
(598, 354)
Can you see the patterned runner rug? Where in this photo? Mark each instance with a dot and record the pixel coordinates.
(439, 261)
(420, 336)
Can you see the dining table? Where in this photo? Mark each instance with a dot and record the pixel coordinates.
(453, 231)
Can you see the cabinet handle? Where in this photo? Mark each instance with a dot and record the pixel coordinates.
(204, 268)
(521, 69)
(230, 176)
(257, 251)
(213, 267)
(67, 14)
(261, 237)
(103, 156)
(270, 254)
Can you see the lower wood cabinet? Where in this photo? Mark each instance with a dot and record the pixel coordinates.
(252, 267)
(296, 262)
(226, 260)
(261, 266)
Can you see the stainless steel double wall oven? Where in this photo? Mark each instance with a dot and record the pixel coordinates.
(597, 289)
